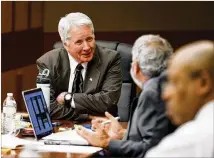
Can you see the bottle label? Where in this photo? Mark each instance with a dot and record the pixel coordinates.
(9, 110)
(42, 85)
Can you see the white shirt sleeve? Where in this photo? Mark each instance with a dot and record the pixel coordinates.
(186, 141)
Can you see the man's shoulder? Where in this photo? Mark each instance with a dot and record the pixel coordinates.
(152, 86)
(151, 92)
(106, 52)
(52, 55)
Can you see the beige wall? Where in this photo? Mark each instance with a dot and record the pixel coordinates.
(137, 16)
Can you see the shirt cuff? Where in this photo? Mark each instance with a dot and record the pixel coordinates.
(114, 146)
(72, 102)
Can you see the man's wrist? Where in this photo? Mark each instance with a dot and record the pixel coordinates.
(122, 133)
(106, 143)
(90, 117)
(67, 98)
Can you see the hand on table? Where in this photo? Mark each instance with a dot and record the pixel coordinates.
(60, 98)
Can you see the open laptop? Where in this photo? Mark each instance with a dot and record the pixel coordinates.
(41, 121)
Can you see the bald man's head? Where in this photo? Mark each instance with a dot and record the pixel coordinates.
(196, 56)
(191, 80)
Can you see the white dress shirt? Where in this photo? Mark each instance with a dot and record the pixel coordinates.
(73, 65)
(192, 139)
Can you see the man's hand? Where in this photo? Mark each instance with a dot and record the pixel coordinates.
(60, 98)
(99, 138)
(115, 130)
(96, 122)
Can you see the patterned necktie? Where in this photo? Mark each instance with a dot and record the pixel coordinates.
(78, 80)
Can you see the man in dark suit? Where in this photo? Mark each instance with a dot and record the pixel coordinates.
(85, 79)
(148, 123)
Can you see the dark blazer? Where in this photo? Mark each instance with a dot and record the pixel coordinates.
(102, 84)
(148, 123)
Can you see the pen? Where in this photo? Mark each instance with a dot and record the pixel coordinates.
(109, 121)
(56, 123)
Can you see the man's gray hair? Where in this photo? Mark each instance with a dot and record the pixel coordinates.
(151, 52)
(70, 21)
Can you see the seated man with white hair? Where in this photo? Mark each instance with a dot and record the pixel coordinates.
(85, 78)
(148, 123)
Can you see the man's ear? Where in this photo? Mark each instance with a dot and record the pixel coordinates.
(205, 83)
(137, 67)
(65, 45)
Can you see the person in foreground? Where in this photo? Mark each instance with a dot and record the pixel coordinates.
(148, 123)
(190, 100)
(85, 78)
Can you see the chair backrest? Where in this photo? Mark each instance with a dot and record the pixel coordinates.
(128, 91)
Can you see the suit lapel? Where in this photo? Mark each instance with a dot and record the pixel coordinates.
(63, 70)
(92, 73)
(131, 113)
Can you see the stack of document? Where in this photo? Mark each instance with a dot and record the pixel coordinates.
(69, 137)
(69, 149)
(12, 142)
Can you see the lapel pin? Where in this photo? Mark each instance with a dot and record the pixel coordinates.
(90, 79)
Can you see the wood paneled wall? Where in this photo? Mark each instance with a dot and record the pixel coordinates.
(121, 16)
(29, 28)
(22, 43)
(179, 22)
(6, 17)
(17, 80)
(19, 16)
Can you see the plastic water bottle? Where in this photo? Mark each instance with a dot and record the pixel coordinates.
(9, 112)
(43, 82)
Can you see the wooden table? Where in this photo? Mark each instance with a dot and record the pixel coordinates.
(65, 124)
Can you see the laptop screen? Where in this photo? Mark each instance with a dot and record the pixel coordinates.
(38, 112)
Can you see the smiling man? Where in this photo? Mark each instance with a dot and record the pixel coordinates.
(85, 79)
(190, 103)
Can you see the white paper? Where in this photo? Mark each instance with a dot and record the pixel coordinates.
(68, 136)
(68, 149)
(10, 141)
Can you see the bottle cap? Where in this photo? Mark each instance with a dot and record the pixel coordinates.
(43, 80)
(43, 77)
(9, 94)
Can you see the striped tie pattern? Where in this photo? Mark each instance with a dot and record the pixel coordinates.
(78, 80)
